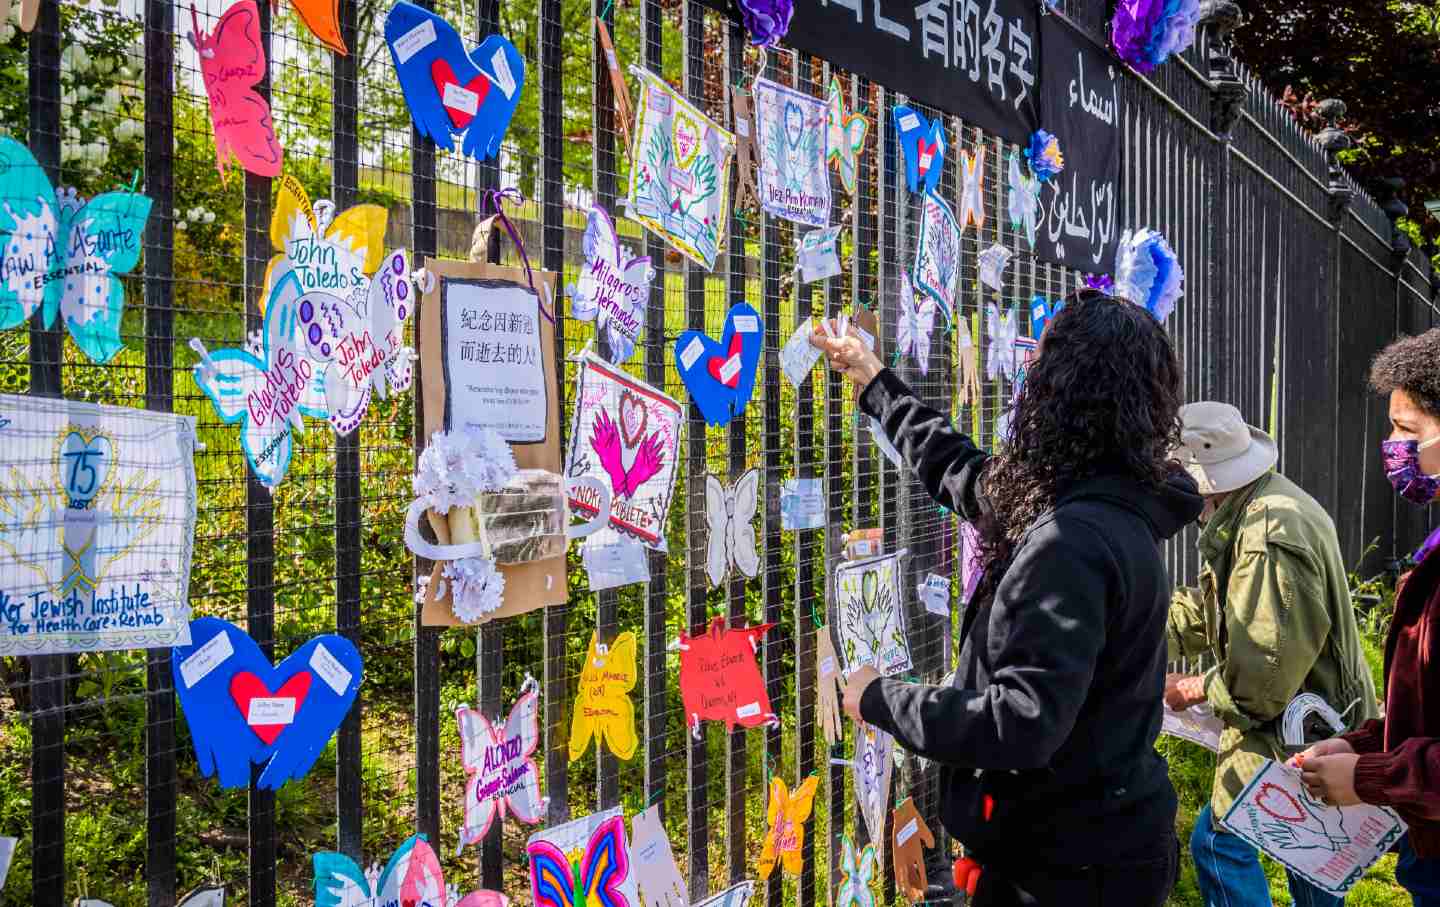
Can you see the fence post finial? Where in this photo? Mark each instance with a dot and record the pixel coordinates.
(1395, 209)
(1333, 139)
(1227, 91)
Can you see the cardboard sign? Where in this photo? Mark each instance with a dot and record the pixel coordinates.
(720, 679)
(521, 403)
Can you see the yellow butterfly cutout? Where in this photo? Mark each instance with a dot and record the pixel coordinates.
(603, 709)
(786, 816)
(358, 230)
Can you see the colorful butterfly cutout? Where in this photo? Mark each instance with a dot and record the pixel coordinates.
(232, 62)
(728, 512)
(857, 875)
(583, 863)
(614, 287)
(412, 878)
(1024, 200)
(786, 816)
(59, 254)
(972, 193)
(322, 17)
(1001, 330)
(922, 141)
(846, 135)
(602, 708)
(913, 328)
(451, 91)
(500, 765)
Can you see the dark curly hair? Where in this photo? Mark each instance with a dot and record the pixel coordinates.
(1103, 397)
(1411, 364)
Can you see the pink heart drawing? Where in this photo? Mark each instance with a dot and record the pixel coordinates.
(633, 418)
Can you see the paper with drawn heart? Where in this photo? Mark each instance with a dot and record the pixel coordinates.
(242, 710)
(97, 521)
(791, 139)
(721, 375)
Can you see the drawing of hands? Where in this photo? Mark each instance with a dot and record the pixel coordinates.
(648, 460)
(969, 375)
(656, 874)
(605, 441)
(828, 669)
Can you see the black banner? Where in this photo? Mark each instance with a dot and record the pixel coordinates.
(1081, 106)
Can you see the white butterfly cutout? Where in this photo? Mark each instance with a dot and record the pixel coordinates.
(846, 134)
(1024, 200)
(728, 512)
(992, 266)
(914, 325)
(614, 287)
(500, 766)
(972, 193)
(1000, 333)
(857, 874)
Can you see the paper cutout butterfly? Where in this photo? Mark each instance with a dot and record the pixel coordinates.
(786, 815)
(266, 392)
(452, 92)
(211, 896)
(59, 254)
(500, 766)
(602, 708)
(992, 266)
(972, 193)
(614, 287)
(243, 710)
(721, 376)
(912, 329)
(1000, 333)
(322, 17)
(412, 878)
(922, 141)
(584, 863)
(857, 875)
(846, 135)
(232, 62)
(1024, 200)
(728, 512)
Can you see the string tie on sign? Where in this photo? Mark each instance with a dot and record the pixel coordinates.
(493, 203)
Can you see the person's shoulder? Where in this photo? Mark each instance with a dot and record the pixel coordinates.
(1280, 512)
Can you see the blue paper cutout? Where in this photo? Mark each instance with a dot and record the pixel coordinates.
(1042, 312)
(210, 680)
(922, 141)
(60, 252)
(721, 376)
(451, 92)
(407, 875)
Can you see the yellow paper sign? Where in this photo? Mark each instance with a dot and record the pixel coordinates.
(786, 816)
(603, 708)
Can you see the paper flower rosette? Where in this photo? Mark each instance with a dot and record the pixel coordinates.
(1145, 33)
(766, 20)
(1148, 272)
(1043, 154)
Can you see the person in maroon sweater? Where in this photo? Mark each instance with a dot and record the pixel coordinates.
(1394, 761)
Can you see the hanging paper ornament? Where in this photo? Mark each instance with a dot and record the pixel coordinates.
(614, 287)
(232, 62)
(972, 192)
(720, 679)
(582, 862)
(790, 130)
(1043, 154)
(322, 18)
(746, 191)
(1145, 33)
(602, 708)
(857, 875)
(786, 815)
(721, 376)
(499, 760)
(868, 616)
(767, 21)
(847, 135)
(913, 327)
(969, 391)
(412, 876)
(937, 254)
(1000, 332)
(657, 875)
(922, 142)
(829, 692)
(59, 254)
(992, 263)
(243, 710)
(452, 92)
(728, 514)
(870, 767)
(1042, 311)
(1148, 273)
(1024, 201)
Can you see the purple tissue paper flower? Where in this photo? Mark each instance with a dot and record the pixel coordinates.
(766, 20)
(1102, 282)
(1131, 29)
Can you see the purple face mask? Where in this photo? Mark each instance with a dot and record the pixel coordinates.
(1402, 468)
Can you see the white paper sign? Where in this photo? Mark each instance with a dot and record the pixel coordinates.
(1196, 724)
(97, 523)
(206, 659)
(271, 710)
(817, 257)
(802, 504)
(797, 356)
(329, 668)
(612, 560)
(934, 594)
(869, 616)
(1330, 846)
(493, 363)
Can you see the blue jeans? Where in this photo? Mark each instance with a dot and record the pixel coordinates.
(1229, 873)
(1419, 877)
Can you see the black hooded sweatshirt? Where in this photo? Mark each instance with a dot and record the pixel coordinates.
(1056, 701)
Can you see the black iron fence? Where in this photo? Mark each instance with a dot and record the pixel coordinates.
(1295, 278)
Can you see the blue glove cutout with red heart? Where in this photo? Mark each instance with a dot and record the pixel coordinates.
(243, 710)
(721, 376)
(922, 142)
(449, 91)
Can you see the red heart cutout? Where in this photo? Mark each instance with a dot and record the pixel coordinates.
(245, 686)
(923, 147)
(442, 75)
(717, 362)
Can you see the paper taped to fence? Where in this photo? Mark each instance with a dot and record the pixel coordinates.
(97, 522)
(868, 616)
(791, 129)
(1329, 846)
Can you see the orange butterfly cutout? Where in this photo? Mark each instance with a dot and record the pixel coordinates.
(786, 816)
(322, 17)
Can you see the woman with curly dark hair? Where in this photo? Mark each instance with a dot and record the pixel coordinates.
(1046, 737)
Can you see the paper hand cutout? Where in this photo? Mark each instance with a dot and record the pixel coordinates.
(728, 512)
(857, 874)
(614, 287)
(786, 816)
(846, 135)
(913, 327)
(29, 11)
(923, 144)
(912, 839)
(243, 710)
(656, 874)
(972, 194)
(451, 91)
(1000, 333)
(1024, 200)
(412, 876)
(721, 376)
(322, 17)
(583, 863)
(232, 61)
(603, 708)
(1042, 311)
(501, 775)
(827, 669)
(64, 253)
(720, 679)
(969, 368)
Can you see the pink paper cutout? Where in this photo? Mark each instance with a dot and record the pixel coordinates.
(500, 766)
(232, 61)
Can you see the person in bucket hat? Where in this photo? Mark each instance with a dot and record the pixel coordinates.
(1273, 610)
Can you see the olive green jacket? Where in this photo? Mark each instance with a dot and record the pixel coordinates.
(1273, 608)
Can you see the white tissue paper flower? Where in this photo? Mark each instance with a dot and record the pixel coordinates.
(456, 466)
(476, 587)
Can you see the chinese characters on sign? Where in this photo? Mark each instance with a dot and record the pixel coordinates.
(493, 363)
